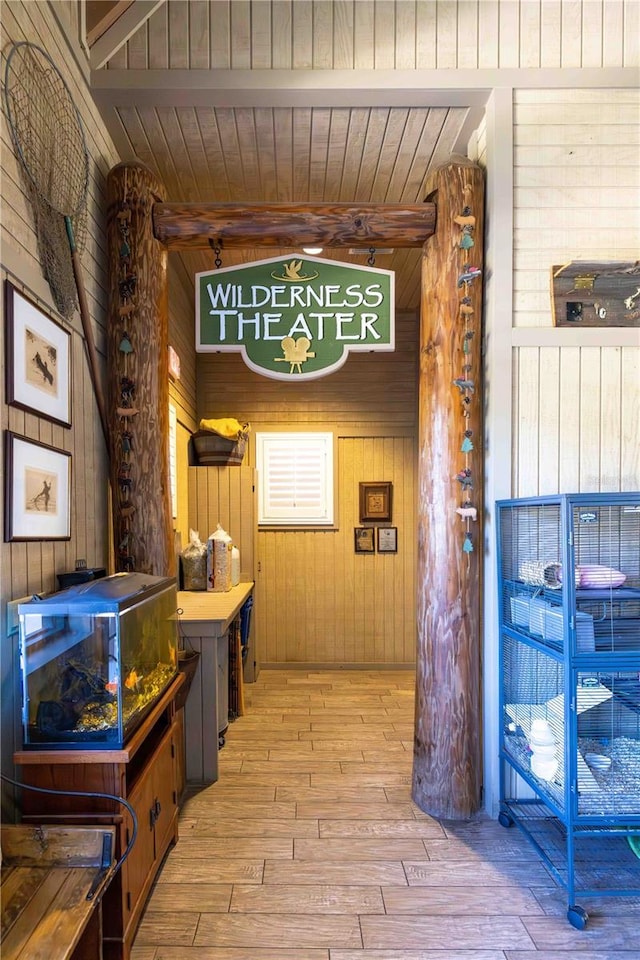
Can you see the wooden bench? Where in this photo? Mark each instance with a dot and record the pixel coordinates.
(47, 874)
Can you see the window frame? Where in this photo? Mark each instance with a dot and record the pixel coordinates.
(326, 517)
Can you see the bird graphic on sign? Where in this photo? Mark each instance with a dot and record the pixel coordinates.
(291, 272)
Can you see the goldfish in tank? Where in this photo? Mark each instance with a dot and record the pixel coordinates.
(132, 680)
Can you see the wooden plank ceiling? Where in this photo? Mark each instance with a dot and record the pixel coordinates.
(207, 152)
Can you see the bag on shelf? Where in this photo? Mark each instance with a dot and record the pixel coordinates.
(194, 563)
(219, 547)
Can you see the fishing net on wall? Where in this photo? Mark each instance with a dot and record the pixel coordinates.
(49, 140)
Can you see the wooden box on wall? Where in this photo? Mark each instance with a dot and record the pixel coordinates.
(596, 294)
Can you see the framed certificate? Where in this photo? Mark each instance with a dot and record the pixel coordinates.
(375, 502)
(364, 539)
(387, 539)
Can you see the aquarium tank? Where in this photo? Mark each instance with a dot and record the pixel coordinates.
(94, 660)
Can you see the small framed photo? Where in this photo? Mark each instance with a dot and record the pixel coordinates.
(37, 490)
(387, 539)
(364, 539)
(38, 359)
(375, 502)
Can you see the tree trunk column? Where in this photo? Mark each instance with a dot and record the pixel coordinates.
(137, 364)
(447, 767)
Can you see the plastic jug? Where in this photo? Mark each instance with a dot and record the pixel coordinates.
(235, 566)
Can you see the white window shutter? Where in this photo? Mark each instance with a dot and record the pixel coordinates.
(295, 478)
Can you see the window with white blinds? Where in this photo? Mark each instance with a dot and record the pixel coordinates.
(295, 478)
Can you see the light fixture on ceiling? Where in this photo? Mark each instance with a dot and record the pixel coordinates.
(312, 251)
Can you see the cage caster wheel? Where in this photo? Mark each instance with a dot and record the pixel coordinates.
(221, 742)
(577, 917)
(505, 820)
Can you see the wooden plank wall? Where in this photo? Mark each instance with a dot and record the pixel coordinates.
(226, 495)
(385, 35)
(316, 600)
(576, 407)
(182, 391)
(32, 568)
(575, 419)
(576, 187)
(320, 602)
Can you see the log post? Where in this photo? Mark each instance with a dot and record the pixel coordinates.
(138, 376)
(447, 767)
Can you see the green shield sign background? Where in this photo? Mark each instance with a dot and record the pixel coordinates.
(295, 317)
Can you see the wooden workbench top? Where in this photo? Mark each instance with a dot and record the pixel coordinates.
(208, 614)
(47, 873)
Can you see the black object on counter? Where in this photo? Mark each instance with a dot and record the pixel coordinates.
(80, 576)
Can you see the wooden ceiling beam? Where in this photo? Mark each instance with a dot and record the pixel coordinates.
(182, 226)
(100, 15)
(126, 19)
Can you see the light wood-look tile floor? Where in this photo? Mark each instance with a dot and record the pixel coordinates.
(310, 848)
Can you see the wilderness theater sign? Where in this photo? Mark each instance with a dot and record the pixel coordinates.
(295, 317)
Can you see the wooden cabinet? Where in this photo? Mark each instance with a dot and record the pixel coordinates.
(181, 774)
(53, 879)
(205, 620)
(145, 773)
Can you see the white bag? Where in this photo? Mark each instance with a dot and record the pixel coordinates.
(219, 546)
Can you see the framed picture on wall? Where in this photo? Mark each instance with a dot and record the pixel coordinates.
(387, 539)
(38, 368)
(375, 502)
(364, 539)
(37, 490)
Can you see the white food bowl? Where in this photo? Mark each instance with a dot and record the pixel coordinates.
(597, 761)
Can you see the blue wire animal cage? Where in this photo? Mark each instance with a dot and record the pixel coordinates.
(569, 581)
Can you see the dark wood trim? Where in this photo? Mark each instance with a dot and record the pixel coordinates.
(192, 225)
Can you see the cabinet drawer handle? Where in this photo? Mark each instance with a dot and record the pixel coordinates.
(154, 813)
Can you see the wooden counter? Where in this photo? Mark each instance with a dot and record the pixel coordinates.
(47, 873)
(204, 624)
(208, 614)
